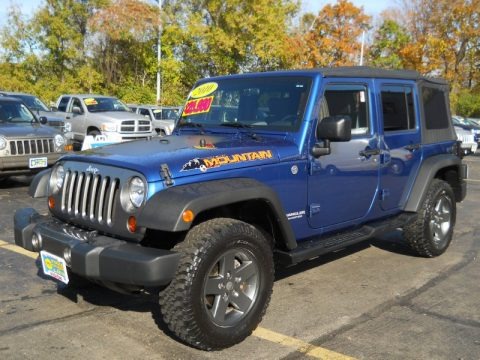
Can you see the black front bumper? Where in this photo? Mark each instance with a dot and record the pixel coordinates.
(95, 256)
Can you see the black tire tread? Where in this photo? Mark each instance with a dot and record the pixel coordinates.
(174, 301)
(415, 232)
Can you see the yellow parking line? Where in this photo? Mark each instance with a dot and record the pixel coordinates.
(472, 180)
(299, 345)
(12, 247)
(262, 333)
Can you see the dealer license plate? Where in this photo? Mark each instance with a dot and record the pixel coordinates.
(54, 266)
(35, 163)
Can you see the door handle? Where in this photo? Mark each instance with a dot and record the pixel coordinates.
(412, 147)
(369, 152)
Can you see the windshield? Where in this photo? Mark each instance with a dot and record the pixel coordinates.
(263, 103)
(33, 102)
(460, 121)
(15, 112)
(100, 104)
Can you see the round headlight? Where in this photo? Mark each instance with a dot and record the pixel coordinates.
(136, 191)
(59, 140)
(57, 178)
(3, 143)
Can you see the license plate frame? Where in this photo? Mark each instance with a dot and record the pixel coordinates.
(54, 266)
(38, 163)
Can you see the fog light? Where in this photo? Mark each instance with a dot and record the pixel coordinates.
(188, 216)
(36, 242)
(132, 224)
(67, 255)
(51, 202)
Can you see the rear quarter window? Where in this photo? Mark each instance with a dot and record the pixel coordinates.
(435, 108)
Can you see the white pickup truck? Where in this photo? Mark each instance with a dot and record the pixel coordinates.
(102, 115)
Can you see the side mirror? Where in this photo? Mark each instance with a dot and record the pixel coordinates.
(43, 120)
(76, 110)
(53, 108)
(335, 128)
(332, 128)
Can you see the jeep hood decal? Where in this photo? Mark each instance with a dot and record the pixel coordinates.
(190, 155)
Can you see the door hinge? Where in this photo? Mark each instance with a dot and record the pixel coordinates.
(384, 194)
(166, 175)
(313, 209)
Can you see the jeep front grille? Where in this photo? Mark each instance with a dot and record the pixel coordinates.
(31, 146)
(89, 197)
(135, 126)
(467, 139)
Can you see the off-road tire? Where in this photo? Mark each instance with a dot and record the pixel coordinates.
(184, 303)
(419, 235)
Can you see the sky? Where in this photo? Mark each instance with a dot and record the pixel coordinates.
(371, 7)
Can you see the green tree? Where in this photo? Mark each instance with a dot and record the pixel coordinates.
(389, 41)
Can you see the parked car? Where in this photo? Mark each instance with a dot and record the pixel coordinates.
(163, 117)
(467, 125)
(38, 107)
(97, 114)
(26, 145)
(205, 214)
(468, 145)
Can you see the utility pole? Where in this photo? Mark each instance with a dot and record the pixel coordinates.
(159, 52)
(363, 44)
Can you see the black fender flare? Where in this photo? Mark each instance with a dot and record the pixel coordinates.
(39, 185)
(425, 175)
(163, 211)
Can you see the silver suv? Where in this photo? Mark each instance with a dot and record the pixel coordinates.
(26, 146)
(98, 114)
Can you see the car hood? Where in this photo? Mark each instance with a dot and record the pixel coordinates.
(26, 130)
(188, 155)
(116, 115)
(52, 115)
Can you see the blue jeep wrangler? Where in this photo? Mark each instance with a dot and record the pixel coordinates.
(281, 166)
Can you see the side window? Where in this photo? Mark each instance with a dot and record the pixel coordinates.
(346, 99)
(398, 108)
(144, 112)
(435, 108)
(62, 106)
(76, 103)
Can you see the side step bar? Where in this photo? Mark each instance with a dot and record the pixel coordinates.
(309, 249)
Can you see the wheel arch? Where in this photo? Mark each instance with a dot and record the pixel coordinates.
(447, 167)
(241, 198)
(92, 128)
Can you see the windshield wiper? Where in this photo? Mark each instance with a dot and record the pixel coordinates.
(239, 125)
(192, 125)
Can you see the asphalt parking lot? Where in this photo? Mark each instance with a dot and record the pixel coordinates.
(370, 301)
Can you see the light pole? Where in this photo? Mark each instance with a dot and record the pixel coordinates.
(159, 52)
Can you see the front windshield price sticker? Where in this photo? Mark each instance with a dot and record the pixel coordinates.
(54, 266)
(90, 101)
(204, 90)
(35, 163)
(198, 106)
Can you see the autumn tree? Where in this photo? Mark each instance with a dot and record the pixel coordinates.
(333, 37)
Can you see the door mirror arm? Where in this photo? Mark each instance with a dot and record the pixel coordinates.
(321, 149)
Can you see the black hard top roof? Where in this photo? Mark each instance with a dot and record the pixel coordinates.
(370, 72)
